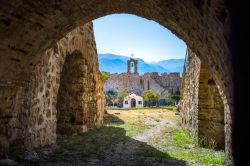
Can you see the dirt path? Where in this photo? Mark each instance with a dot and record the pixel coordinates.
(128, 153)
(157, 126)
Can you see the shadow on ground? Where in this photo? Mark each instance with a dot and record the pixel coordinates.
(106, 146)
(111, 119)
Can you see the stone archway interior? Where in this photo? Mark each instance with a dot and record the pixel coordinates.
(72, 100)
(210, 111)
(29, 28)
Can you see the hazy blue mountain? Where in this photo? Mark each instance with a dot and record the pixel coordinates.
(172, 65)
(118, 64)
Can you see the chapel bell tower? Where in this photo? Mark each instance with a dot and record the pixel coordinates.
(132, 64)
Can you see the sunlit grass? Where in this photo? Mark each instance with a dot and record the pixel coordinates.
(133, 123)
(179, 144)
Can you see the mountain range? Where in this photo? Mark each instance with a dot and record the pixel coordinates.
(118, 64)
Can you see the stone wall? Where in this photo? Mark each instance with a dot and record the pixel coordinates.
(201, 106)
(189, 93)
(32, 111)
(149, 81)
(121, 81)
(13, 114)
(164, 84)
(168, 81)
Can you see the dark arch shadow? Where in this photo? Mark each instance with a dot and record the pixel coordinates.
(106, 146)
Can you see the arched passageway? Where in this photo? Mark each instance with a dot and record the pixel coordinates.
(202, 109)
(28, 28)
(210, 111)
(77, 106)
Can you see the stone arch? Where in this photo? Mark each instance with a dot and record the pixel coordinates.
(29, 28)
(202, 108)
(210, 111)
(188, 20)
(72, 100)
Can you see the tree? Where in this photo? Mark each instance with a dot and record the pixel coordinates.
(174, 98)
(105, 76)
(157, 97)
(111, 97)
(121, 95)
(151, 96)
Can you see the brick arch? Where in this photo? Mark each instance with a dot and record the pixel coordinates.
(28, 28)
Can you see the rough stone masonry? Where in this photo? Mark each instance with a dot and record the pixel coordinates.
(29, 28)
(65, 94)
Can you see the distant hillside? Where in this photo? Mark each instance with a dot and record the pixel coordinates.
(172, 65)
(118, 64)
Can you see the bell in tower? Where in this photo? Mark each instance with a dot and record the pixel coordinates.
(132, 63)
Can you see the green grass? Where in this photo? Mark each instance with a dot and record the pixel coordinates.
(93, 142)
(182, 138)
(134, 128)
(201, 155)
(178, 144)
(119, 128)
(132, 125)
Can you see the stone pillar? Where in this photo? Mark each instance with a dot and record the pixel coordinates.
(189, 94)
(136, 67)
(128, 66)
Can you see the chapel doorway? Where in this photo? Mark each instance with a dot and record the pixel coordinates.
(133, 103)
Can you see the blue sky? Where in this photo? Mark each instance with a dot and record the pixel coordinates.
(126, 34)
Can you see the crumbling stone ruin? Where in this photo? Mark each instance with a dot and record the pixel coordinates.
(164, 84)
(27, 71)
